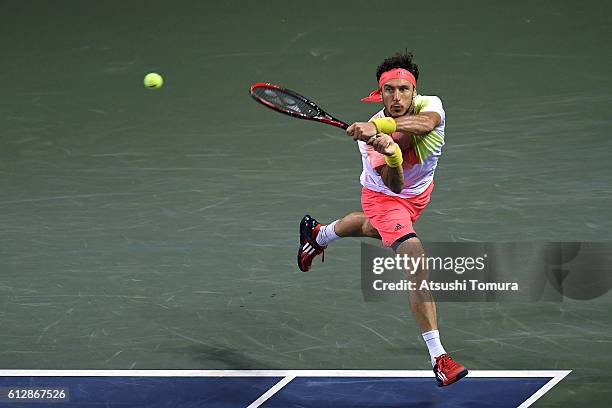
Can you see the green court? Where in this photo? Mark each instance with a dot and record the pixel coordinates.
(157, 229)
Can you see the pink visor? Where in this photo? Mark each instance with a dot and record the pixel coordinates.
(396, 73)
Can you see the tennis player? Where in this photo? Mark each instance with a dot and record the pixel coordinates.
(399, 147)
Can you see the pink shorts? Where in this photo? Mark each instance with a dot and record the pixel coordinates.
(393, 216)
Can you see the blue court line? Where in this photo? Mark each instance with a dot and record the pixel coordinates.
(280, 389)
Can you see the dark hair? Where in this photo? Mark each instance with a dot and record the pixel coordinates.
(398, 61)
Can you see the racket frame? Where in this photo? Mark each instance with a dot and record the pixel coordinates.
(322, 116)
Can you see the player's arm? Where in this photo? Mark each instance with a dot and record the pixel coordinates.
(392, 173)
(393, 177)
(419, 124)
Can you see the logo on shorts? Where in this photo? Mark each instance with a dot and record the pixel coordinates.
(398, 227)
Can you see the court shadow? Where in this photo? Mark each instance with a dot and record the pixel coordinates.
(232, 359)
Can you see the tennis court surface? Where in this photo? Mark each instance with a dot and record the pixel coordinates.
(157, 229)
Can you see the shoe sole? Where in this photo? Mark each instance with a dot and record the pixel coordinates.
(457, 378)
(302, 242)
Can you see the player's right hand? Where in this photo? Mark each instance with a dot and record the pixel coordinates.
(362, 131)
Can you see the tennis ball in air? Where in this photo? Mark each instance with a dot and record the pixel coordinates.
(153, 80)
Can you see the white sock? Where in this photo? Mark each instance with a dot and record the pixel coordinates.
(327, 234)
(432, 339)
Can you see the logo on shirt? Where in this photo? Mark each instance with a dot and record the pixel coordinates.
(398, 227)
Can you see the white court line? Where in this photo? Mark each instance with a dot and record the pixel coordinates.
(268, 394)
(547, 387)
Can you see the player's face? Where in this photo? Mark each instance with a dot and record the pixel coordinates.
(397, 96)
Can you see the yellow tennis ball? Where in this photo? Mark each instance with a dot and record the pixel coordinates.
(153, 80)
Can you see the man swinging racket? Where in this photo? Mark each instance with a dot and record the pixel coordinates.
(397, 184)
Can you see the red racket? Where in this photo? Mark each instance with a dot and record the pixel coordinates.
(291, 103)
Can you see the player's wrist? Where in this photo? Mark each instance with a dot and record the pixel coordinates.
(396, 159)
(385, 125)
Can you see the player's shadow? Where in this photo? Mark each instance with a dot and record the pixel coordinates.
(231, 358)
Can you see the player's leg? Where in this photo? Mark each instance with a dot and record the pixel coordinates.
(355, 224)
(423, 308)
(392, 217)
(421, 301)
(314, 236)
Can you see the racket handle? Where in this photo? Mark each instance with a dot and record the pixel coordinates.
(333, 122)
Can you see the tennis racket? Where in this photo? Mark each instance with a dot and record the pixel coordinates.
(291, 103)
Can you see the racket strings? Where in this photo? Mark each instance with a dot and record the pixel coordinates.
(286, 101)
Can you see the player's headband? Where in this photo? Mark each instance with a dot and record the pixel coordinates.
(396, 73)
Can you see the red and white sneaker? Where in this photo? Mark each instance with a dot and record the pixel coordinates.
(448, 371)
(309, 249)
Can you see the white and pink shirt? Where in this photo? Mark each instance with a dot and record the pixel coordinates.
(420, 154)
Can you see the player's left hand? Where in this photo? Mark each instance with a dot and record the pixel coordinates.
(382, 143)
(362, 131)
